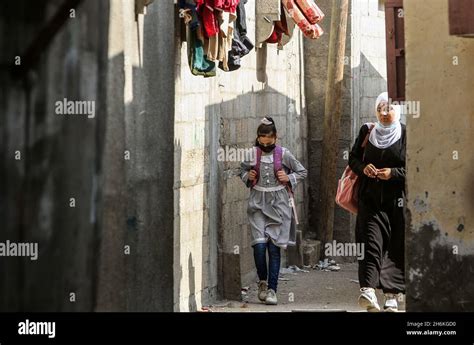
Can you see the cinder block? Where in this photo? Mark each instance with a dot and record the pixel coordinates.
(311, 252)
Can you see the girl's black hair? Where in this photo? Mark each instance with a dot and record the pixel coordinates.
(264, 129)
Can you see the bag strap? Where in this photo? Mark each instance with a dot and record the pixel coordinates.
(368, 135)
(257, 164)
(278, 163)
(277, 159)
(366, 140)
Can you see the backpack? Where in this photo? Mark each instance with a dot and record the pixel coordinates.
(277, 166)
(277, 161)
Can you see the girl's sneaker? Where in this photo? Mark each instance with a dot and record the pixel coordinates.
(391, 304)
(262, 290)
(368, 300)
(271, 297)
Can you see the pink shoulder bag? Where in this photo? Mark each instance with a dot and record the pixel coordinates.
(348, 185)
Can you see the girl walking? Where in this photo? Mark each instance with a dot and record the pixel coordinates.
(380, 223)
(272, 175)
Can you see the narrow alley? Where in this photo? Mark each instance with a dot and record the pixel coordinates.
(306, 290)
(127, 129)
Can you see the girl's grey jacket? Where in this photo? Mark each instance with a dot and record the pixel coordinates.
(269, 209)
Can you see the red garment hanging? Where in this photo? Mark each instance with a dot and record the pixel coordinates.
(207, 12)
(226, 5)
(209, 21)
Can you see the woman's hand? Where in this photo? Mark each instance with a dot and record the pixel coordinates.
(282, 176)
(370, 170)
(252, 175)
(384, 174)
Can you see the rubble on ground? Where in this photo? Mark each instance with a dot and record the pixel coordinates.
(327, 266)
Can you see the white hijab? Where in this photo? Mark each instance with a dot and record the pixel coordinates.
(385, 136)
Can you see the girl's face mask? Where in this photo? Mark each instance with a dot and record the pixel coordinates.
(268, 148)
(266, 143)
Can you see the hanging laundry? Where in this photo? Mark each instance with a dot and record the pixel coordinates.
(188, 11)
(218, 17)
(225, 38)
(273, 24)
(199, 64)
(225, 5)
(208, 16)
(217, 33)
(209, 20)
(266, 13)
(240, 33)
(311, 11)
(290, 24)
(198, 61)
(241, 44)
(280, 28)
(305, 15)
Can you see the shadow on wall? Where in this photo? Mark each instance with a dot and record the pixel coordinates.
(192, 288)
(148, 120)
(177, 267)
(136, 246)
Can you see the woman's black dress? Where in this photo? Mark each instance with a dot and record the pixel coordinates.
(380, 221)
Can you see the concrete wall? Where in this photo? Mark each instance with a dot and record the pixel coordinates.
(138, 191)
(440, 224)
(368, 59)
(59, 158)
(364, 79)
(316, 62)
(210, 200)
(102, 54)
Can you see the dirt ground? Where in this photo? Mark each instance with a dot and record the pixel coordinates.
(315, 290)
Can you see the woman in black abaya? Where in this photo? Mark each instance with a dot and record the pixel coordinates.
(380, 224)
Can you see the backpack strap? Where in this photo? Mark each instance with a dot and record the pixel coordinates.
(277, 159)
(257, 164)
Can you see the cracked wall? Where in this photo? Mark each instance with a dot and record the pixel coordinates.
(440, 165)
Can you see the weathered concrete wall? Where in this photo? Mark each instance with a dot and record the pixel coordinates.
(118, 166)
(12, 118)
(58, 159)
(364, 79)
(138, 189)
(210, 200)
(368, 59)
(316, 62)
(440, 181)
